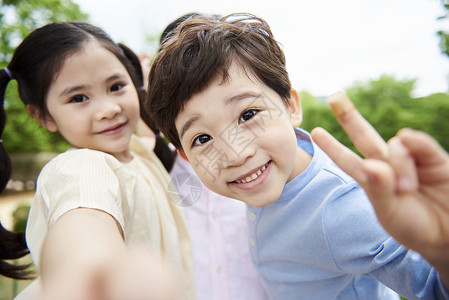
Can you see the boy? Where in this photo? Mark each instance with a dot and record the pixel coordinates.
(221, 94)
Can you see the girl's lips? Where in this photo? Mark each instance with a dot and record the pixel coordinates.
(113, 129)
(253, 179)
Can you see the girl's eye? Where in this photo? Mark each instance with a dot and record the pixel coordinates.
(201, 139)
(247, 115)
(117, 87)
(78, 99)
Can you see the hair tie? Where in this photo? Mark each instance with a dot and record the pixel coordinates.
(142, 88)
(8, 72)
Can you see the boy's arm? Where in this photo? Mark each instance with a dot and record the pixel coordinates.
(84, 257)
(406, 179)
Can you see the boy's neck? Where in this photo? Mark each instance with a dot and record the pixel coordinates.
(302, 161)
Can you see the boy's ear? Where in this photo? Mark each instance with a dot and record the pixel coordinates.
(183, 155)
(46, 122)
(294, 107)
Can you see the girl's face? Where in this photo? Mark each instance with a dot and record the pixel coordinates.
(93, 102)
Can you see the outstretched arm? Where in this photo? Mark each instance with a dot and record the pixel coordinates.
(406, 179)
(84, 258)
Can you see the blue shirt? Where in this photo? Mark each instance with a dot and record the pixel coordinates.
(321, 240)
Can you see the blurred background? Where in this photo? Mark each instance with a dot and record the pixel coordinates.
(390, 57)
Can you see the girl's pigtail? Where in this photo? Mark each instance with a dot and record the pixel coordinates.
(161, 149)
(12, 244)
(5, 162)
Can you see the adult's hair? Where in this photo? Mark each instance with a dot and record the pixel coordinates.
(35, 64)
(203, 48)
(161, 148)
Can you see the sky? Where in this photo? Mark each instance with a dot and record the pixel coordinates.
(329, 44)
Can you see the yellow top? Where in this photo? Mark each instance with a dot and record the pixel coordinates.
(134, 193)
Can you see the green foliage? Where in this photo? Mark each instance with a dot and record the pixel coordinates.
(388, 104)
(444, 35)
(19, 216)
(17, 19)
(22, 132)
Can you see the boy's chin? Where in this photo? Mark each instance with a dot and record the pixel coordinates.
(258, 203)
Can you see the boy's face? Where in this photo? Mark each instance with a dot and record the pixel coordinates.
(239, 137)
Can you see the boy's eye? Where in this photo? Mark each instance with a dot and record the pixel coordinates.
(78, 99)
(117, 87)
(201, 139)
(248, 114)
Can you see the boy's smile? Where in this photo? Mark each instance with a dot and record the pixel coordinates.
(239, 137)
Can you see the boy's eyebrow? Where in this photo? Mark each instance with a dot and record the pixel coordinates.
(188, 124)
(242, 96)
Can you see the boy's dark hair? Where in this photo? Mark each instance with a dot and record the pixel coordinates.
(171, 28)
(201, 49)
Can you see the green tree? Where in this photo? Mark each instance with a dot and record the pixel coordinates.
(388, 104)
(17, 19)
(444, 35)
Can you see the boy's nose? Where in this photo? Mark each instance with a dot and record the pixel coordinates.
(236, 155)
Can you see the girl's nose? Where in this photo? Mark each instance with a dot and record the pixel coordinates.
(108, 109)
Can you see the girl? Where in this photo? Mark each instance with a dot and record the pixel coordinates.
(107, 192)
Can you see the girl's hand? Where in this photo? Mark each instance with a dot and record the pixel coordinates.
(84, 257)
(406, 179)
(133, 276)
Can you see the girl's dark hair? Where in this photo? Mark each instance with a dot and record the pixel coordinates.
(13, 246)
(35, 64)
(161, 149)
(204, 47)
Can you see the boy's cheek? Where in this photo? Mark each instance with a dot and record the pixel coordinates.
(208, 177)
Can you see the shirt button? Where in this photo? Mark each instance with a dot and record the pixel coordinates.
(252, 216)
(252, 241)
(219, 268)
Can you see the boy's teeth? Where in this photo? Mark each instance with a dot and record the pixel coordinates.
(252, 176)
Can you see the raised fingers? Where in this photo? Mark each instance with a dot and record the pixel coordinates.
(346, 159)
(362, 134)
(403, 165)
